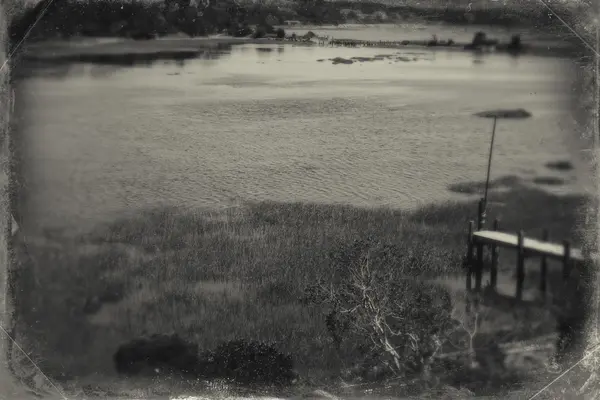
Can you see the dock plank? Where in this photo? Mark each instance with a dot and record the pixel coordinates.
(552, 250)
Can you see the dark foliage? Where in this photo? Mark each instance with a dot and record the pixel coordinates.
(405, 261)
(249, 362)
(480, 39)
(370, 285)
(560, 165)
(263, 30)
(239, 30)
(160, 353)
(142, 20)
(515, 43)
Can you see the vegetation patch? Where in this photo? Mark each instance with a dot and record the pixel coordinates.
(549, 180)
(308, 280)
(239, 361)
(504, 182)
(341, 60)
(562, 165)
(250, 362)
(156, 354)
(505, 113)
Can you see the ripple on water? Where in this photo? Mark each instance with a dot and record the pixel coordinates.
(380, 137)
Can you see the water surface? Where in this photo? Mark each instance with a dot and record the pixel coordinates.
(273, 123)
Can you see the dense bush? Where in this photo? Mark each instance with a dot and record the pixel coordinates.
(239, 30)
(157, 353)
(479, 38)
(371, 296)
(263, 30)
(515, 43)
(249, 362)
(280, 33)
(259, 33)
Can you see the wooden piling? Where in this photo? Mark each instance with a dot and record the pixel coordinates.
(520, 265)
(526, 247)
(479, 263)
(544, 265)
(566, 260)
(495, 254)
(479, 267)
(481, 215)
(469, 259)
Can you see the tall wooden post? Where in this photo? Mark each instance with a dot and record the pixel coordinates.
(544, 265)
(495, 254)
(479, 267)
(481, 214)
(479, 261)
(566, 260)
(469, 259)
(489, 166)
(520, 265)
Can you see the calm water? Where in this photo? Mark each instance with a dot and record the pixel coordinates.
(276, 124)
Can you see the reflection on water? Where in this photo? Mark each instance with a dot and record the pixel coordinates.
(73, 64)
(252, 124)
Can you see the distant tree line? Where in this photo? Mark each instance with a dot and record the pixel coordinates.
(143, 19)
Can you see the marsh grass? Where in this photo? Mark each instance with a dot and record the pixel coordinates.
(237, 273)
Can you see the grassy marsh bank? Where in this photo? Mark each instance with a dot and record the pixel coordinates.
(181, 48)
(213, 276)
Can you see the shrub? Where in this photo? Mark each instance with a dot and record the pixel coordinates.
(142, 35)
(259, 33)
(240, 31)
(479, 39)
(352, 16)
(370, 295)
(515, 43)
(280, 33)
(269, 29)
(250, 362)
(158, 353)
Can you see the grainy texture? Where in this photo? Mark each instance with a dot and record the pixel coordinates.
(6, 382)
(586, 298)
(11, 356)
(4, 121)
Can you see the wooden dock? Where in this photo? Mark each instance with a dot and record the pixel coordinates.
(567, 301)
(532, 247)
(493, 240)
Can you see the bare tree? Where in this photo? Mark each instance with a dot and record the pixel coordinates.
(468, 321)
(404, 320)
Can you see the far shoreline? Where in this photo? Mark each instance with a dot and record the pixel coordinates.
(87, 49)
